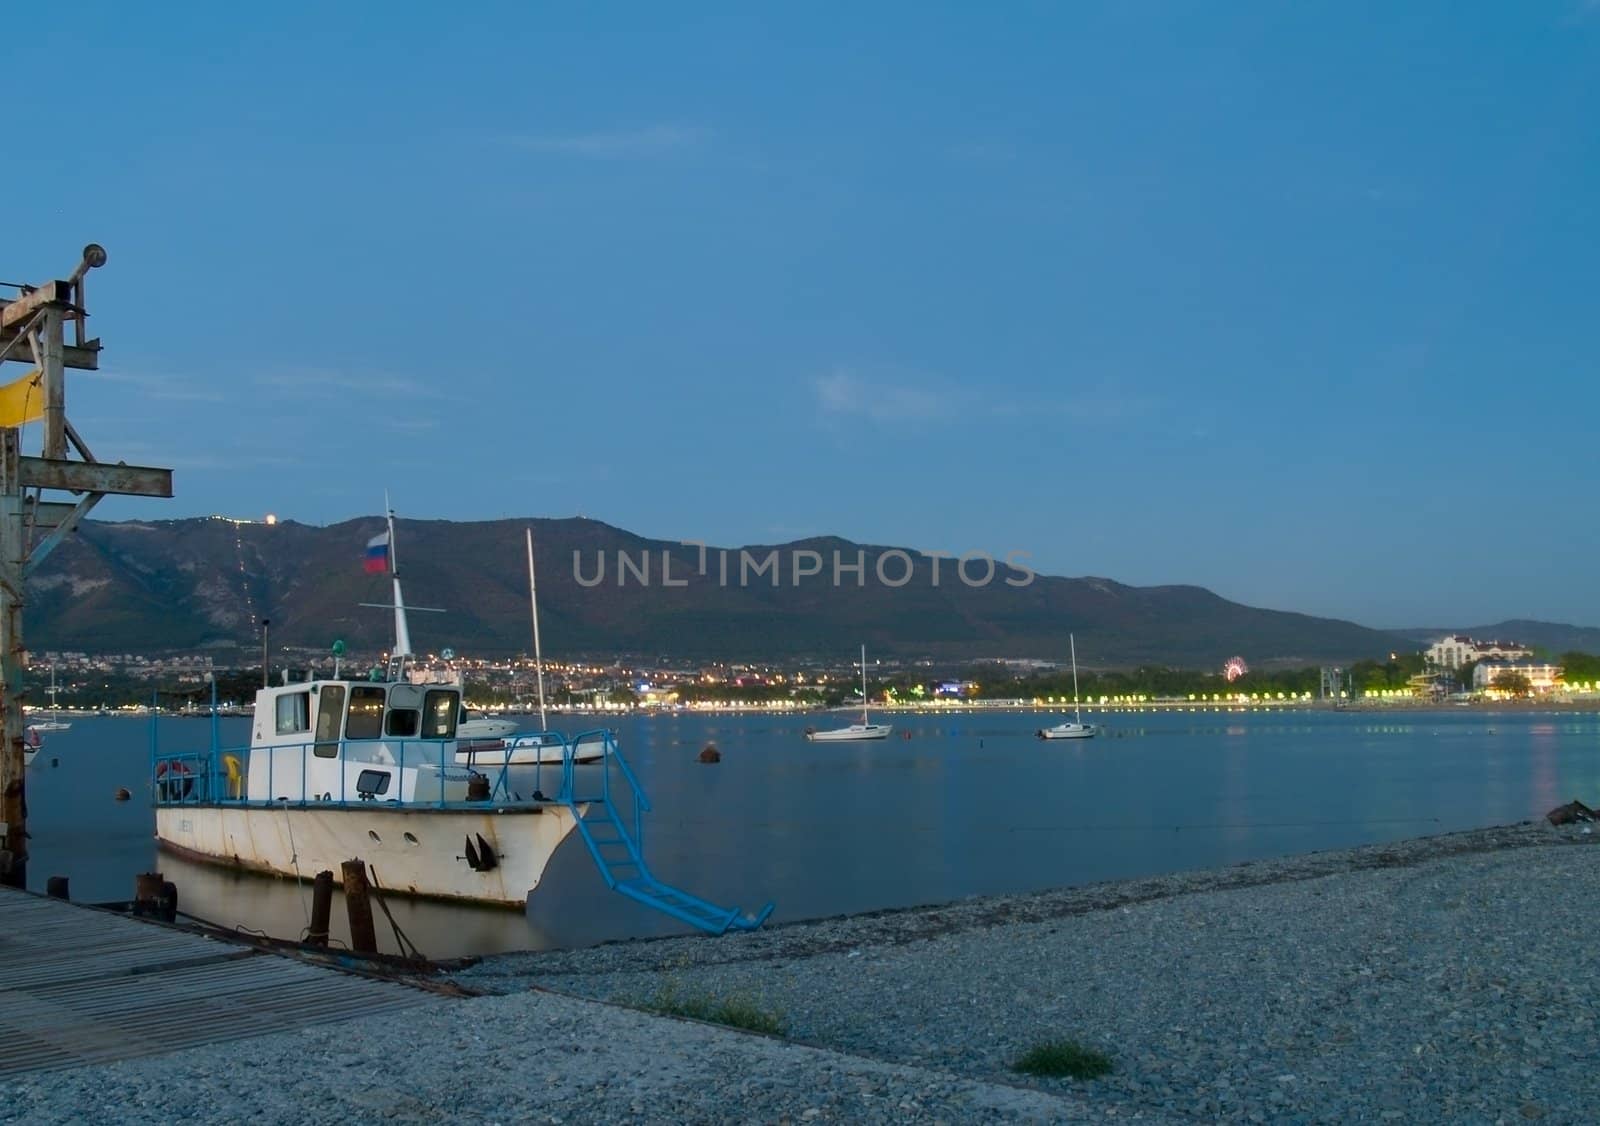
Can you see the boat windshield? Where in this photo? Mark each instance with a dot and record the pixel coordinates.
(366, 712)
(440, 707)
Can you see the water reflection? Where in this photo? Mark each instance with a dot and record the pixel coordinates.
(968, 805)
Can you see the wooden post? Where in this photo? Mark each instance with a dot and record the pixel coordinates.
(32, 328)
(13, 764)
(358, 901)
(321, 908)
(55, 385)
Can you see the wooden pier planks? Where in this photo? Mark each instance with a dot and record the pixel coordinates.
(82, 986)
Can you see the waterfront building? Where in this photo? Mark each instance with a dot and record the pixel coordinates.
(1540, 677)
(1453, 652)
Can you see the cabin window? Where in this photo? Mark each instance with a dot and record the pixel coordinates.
(366, 712)
(402, 723)
(330, 713)
(439, 710)
(294, 713)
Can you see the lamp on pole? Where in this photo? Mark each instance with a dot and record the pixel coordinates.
(265, 679)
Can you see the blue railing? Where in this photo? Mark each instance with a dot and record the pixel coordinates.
(221, 775)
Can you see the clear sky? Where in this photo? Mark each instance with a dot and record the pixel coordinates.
(1293, 301)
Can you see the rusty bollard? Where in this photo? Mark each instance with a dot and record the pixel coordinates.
(56, 887)
(147, 894)
(321, 908)
(358, 901)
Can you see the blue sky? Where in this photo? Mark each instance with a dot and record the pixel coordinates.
(1295, 302)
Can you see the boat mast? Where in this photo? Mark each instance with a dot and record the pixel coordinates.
(864, 721)
(402, 634)
(538, 657)
(1077, 716)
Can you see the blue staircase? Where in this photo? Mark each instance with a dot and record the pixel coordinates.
(616, 847)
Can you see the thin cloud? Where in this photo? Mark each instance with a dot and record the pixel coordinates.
(408, 425)
(845, 394)
(164, 387)
(613, 145)
(332, 384)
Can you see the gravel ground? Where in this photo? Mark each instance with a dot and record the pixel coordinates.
(533, 1057)
(1450, 978)
(1445, 979)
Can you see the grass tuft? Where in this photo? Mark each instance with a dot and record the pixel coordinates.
(735, 1012)
(1067, 1058)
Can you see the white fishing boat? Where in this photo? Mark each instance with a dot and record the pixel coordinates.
(856, 732)
(543, 746)
(1076, 729)
(54, 723)
(339, 769)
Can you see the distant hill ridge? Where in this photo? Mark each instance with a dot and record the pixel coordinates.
(163, 586)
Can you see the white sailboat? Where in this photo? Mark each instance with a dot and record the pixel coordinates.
(856, 732)
(544, 745)
(54, 722)
(1077, 729)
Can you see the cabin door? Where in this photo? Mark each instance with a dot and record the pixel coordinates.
(330, 715)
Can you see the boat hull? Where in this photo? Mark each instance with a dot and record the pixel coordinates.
(527, 751)
(856, 734)
(485, 730)
(1069, 731)
(417, 851)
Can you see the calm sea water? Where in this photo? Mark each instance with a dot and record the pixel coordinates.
(969, 805)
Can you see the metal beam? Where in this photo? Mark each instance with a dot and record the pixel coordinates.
(46, 514)
(16, 311)
(80, 358)
(68, 525)
(94, 477)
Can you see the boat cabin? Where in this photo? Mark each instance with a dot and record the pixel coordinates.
(344, 740)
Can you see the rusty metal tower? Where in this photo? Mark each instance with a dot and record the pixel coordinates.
(44, 498)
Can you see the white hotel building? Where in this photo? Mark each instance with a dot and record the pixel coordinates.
(1453, 652)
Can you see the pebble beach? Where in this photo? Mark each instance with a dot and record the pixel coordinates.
(1447, 978)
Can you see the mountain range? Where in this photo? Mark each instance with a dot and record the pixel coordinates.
(205, 583)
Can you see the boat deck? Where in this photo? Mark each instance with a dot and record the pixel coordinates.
(82, 986)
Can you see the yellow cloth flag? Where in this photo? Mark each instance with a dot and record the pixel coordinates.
(23, 400)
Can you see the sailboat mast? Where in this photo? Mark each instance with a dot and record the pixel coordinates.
(538, 657)
(1077, 716)
(864, 720)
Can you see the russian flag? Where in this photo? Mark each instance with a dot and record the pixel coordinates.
(377, 559)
